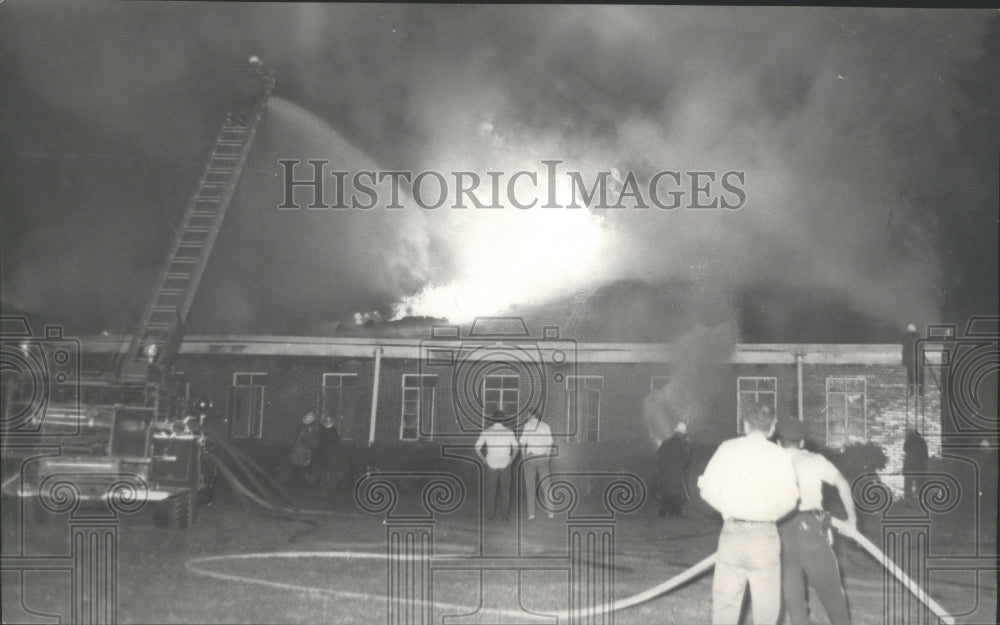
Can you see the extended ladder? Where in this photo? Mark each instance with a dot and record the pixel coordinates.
(159, 332)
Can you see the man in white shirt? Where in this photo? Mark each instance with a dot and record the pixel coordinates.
(806, 550)
(500, 446)
(751, 482)
(537, 445)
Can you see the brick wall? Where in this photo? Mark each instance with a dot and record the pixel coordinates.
(294, 386)
(889, 411)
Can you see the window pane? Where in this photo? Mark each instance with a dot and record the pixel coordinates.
(493, 381)
(409, 381)
(428, 381)
(595, 383)
(348, 380)
(836, 406)
(240, 412)
(510, 381)
(747, 384)
(767, 384)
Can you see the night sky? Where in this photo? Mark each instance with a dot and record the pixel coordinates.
(869, 140)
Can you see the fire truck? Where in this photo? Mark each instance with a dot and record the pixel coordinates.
(126, 439)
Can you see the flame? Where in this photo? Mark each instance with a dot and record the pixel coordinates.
(510, 257)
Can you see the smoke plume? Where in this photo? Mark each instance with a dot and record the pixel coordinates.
(833, 117)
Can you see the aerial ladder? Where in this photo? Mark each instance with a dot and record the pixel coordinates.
(157, 337)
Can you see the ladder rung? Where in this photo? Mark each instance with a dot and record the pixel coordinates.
(202, 198)
(221, 170)
(214, 184)
(203, 213)
(170, 291)
(197, 229)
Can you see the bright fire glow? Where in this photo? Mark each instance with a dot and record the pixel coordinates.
(509, 257)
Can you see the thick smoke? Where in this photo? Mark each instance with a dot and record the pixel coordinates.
(833, 116)
(693, 386)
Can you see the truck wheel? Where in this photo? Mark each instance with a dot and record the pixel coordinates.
(178, 511)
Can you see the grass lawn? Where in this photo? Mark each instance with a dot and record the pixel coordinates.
(344, 577)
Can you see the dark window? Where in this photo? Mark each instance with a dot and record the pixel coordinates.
(246, 405)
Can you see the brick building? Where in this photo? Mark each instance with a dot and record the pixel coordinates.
(409, 393)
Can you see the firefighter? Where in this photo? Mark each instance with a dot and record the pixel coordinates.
(806, 537)
(328, 461)
(672, 460)
(751, 482)
(306, 440)
(914, 463)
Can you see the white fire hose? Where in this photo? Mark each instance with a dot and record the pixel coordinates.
(893, 568)
(845, 529)
(665, 587)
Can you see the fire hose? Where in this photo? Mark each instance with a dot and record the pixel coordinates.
(651, 593)
(842, 527)
(893, 568)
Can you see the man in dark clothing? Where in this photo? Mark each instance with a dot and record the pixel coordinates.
(672, 460)
(806, 540)
(913, 361)
(914, 462)
(306, 440)
(327, 462)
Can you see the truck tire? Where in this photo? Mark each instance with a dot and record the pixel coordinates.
(178, 511)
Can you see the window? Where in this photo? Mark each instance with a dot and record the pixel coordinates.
(751, 390)
(584, 405)
(340, 401)
(246, 405)
(418, 406)
(658, 382)
(500, 392)
(846, 412)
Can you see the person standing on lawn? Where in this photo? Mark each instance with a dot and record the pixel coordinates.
(752, 483)
(306, 440)
(536, 445)
(914, 463)
(672, 460)
(500, 445)
(806, 538)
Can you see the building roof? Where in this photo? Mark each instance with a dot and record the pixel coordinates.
(582, 352)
